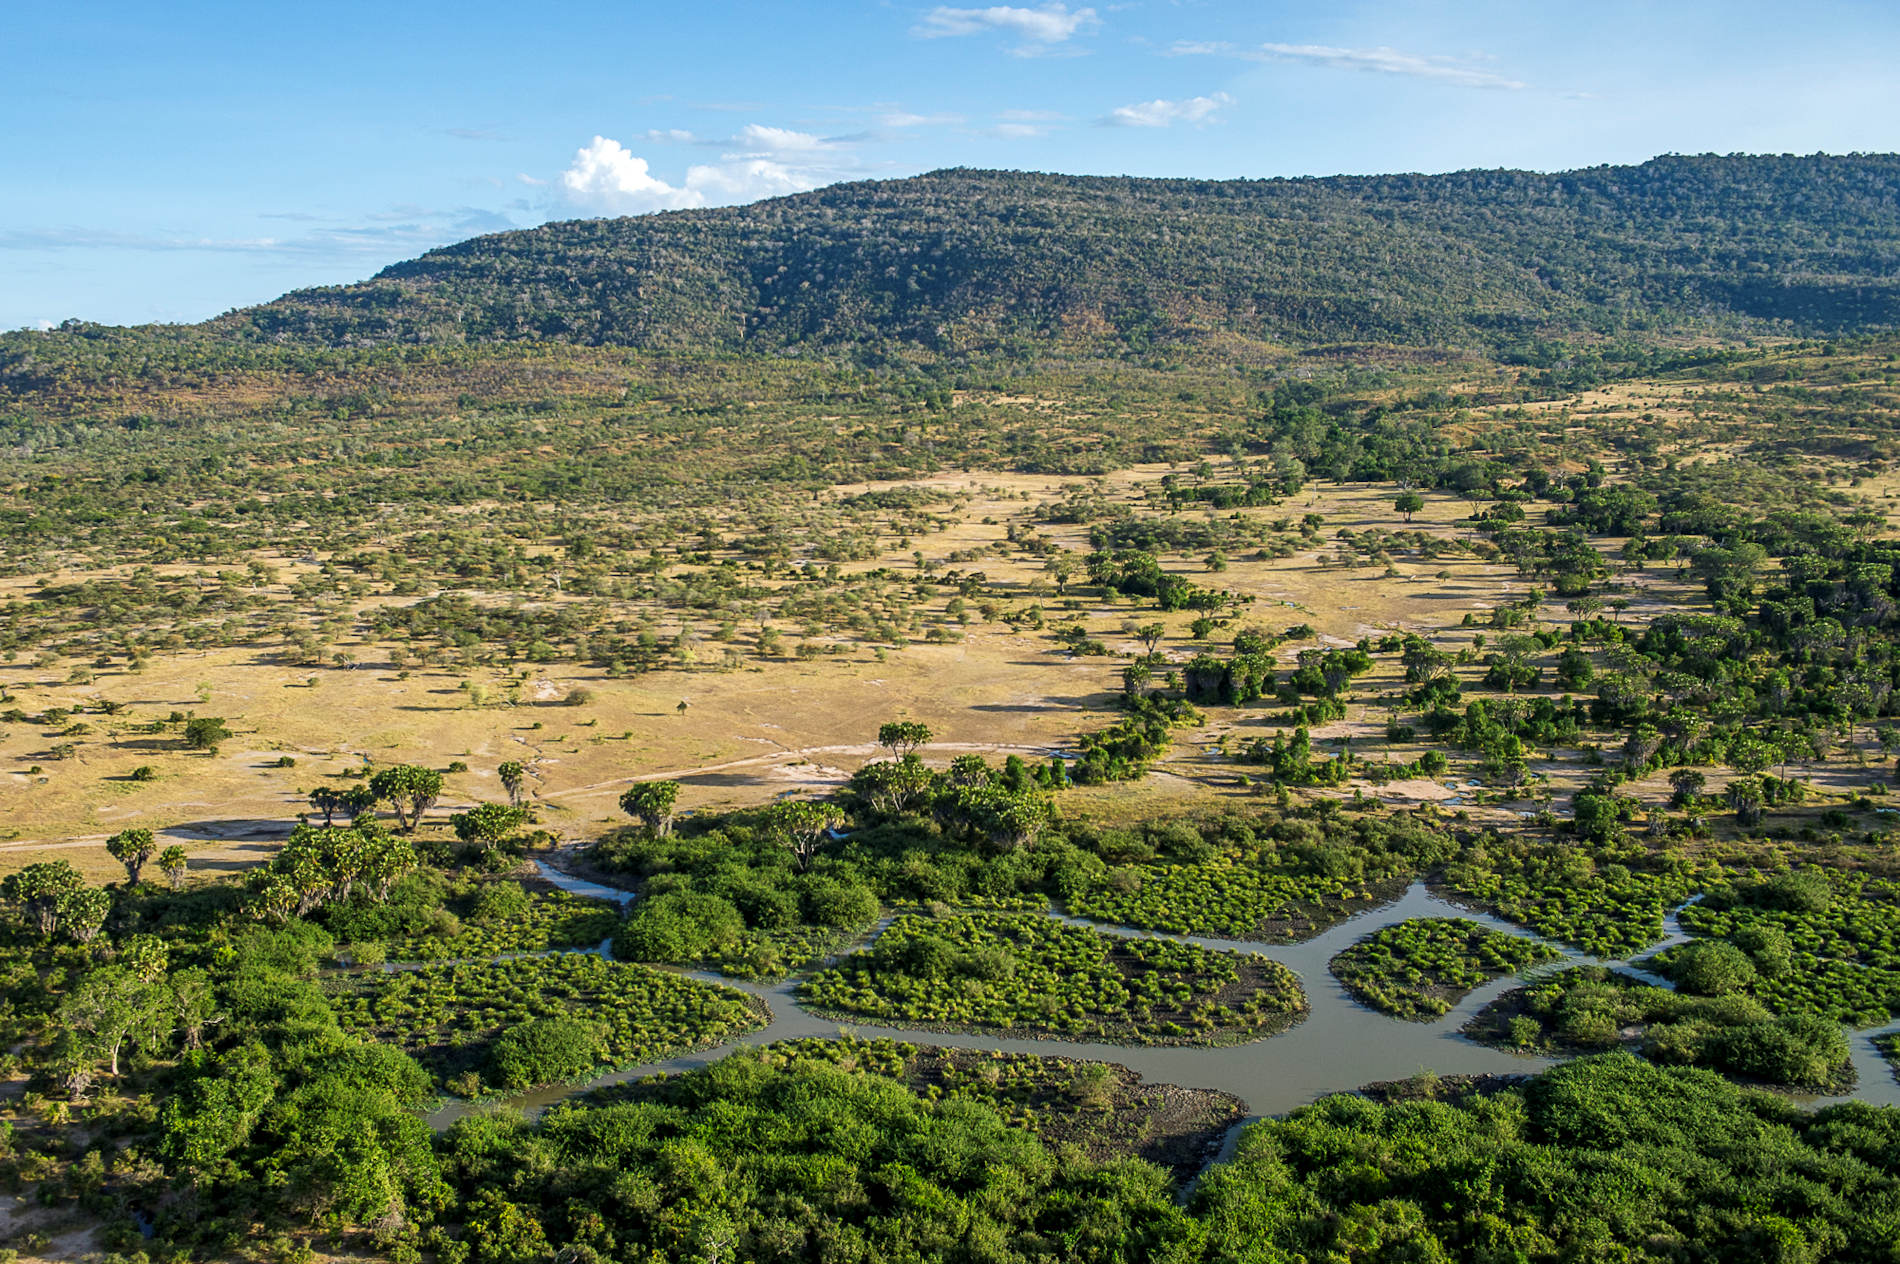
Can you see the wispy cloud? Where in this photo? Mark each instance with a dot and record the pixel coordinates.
(756, 137)
(898, 119)
(1159, 113)
(1024, 124)
(1380, 60)
(412, 229)
(1037, 28)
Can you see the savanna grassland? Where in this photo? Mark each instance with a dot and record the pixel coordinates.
(1029, 673)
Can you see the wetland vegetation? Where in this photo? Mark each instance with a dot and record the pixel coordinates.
(1025, 973)
(1421, 968)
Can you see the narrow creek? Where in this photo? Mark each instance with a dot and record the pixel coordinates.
(1340, 1046)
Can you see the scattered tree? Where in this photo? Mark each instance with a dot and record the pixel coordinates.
(903, 737)
(132, 848)
(410, 789)
(651, 803)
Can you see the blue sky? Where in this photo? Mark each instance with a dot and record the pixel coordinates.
(172, 161)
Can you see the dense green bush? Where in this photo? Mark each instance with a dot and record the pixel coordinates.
(751, 1160)
(432, 917)
(725, 893)
(1270, 877)
(1610, 908)
(1604, 1158)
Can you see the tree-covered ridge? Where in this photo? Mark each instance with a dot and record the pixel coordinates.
(963, 261)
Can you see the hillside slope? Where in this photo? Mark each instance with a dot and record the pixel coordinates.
(974, 260)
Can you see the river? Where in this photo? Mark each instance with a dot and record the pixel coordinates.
(1340, 1046)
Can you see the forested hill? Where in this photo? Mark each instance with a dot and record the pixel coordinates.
(974, 261)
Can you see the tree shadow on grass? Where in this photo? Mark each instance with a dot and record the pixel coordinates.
(254, 829)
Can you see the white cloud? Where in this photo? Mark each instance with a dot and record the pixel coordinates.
(525, 178)
(1380, 60)
(1019, 131)
(1051, 24)
(606, 176)
(748, 180)
(678, 135)
(1160, 113)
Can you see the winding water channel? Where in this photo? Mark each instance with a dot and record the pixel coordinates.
(1340, 1046)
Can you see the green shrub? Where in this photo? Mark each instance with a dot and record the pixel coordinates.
(498, 902)
(679, 927)
(1710, 967)
(545, 1051)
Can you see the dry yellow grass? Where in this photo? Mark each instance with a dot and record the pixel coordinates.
(747, 734)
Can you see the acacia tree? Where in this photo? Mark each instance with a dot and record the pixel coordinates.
(320, 866)
(325, 800)
(969, 770)
(1061, 568)
(274, 897)
(113, 1007)
(893, 785)
(1009, 819)
(43, 891)
(1685, 786)
(389, 858)
(356, 801)
(513, 777)
(193, 1005)
(1408, 504)
(801, 826)
(204, 732)
(410, 789)
(351, 803)
(903, 737)
(132, 848)
(651, 803)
